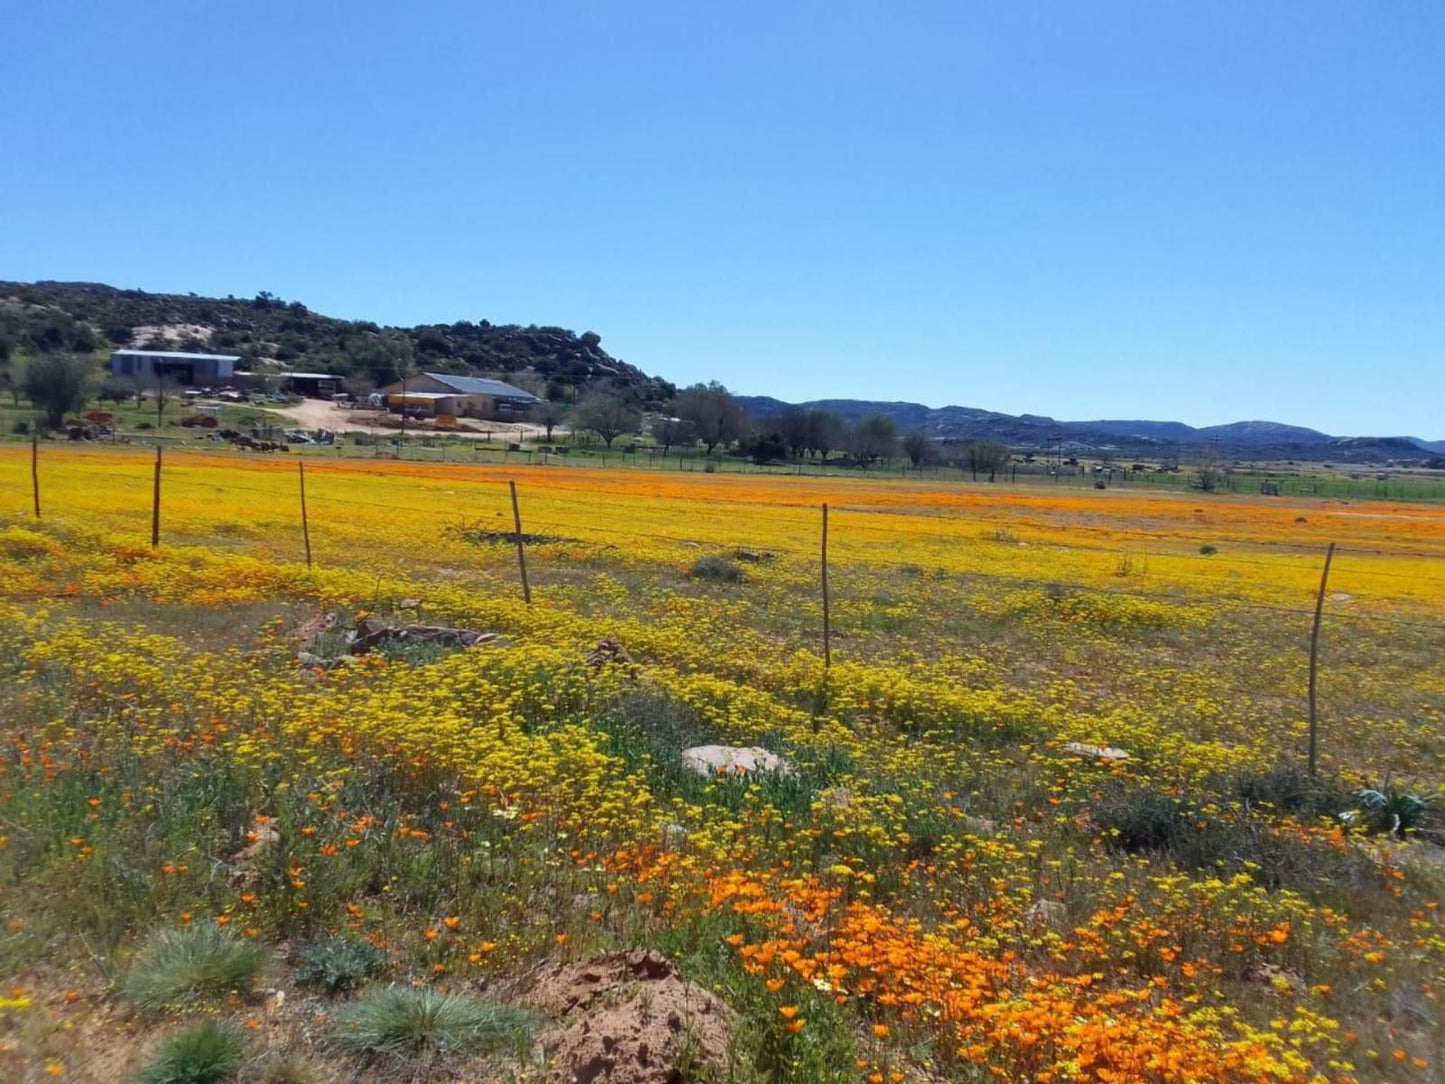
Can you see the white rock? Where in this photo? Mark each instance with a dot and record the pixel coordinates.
(1098, 752)
(708, 760)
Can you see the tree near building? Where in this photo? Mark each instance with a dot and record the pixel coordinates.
(1209, 469)
(826, 432)
(56, 384)
(12, 377)
(717, 417)
(792, 426)
(873, 438)
(921, 449)
(548, 414)
(608, 414)
(116, 389)
(667, 432)
(984, 455)
(359, 386)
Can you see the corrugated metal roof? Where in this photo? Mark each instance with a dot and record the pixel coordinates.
(472, 385)
(174, 355)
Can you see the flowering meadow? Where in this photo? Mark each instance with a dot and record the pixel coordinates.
(958, 878)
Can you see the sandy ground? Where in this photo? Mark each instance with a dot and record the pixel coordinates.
(321, 414)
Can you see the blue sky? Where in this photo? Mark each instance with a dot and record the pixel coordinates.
(1202, 211)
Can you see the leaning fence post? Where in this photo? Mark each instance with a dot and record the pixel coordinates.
(521, 556)
(35, 469)
(305, 526)
(156, 504)
(1314, 655)
(827, 622)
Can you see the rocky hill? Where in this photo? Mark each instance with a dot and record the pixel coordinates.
(269, 332)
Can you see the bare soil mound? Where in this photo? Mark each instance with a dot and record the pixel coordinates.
(628, 1018)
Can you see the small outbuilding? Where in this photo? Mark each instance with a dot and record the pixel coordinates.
(312, 385)
(443, 395)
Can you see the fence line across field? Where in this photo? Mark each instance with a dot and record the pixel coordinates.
(1304, 548)
(1317, 613)
(606, 530)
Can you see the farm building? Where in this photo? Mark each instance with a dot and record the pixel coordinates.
(312, 385)
(442, 395)
(149, 367)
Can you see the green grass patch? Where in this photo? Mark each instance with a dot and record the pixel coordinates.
(418, 1025)
(192, 961)
(205, 1053)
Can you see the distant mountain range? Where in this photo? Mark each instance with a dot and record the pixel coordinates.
(1254, 440)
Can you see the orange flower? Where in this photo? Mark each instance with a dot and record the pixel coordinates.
(431, 934)
(789, 1011)
(451, 922)
(880, 1030)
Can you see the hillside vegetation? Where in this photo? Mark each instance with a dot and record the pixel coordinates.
(79, 317)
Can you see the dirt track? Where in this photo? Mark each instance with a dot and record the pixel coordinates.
(322, 414)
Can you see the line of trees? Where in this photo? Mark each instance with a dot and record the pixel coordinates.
(710, 417)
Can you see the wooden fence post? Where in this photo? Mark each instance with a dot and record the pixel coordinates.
(521, 555)
(1314, 656)
(156, 504)
(35, 468)
(827, 619)
(305, 525)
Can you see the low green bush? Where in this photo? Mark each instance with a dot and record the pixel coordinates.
(340, 963)
(716, 569)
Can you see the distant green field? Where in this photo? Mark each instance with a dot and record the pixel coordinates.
(139, 425)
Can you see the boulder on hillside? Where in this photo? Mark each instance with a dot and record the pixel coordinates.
(708, 760)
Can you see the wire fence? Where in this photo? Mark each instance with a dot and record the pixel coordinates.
(242, 501)
(585, 450)
(1383, 589)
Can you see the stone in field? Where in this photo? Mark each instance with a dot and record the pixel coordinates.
(708, 760)
(1098, 752)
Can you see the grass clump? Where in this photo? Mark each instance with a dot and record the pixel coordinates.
(339, 964)
(281, 1067)
(422, 1024)
(191, 961)
(205, 1053)
(716, 570)
(1289, 789)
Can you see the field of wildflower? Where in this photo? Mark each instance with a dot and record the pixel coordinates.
(957, 878)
